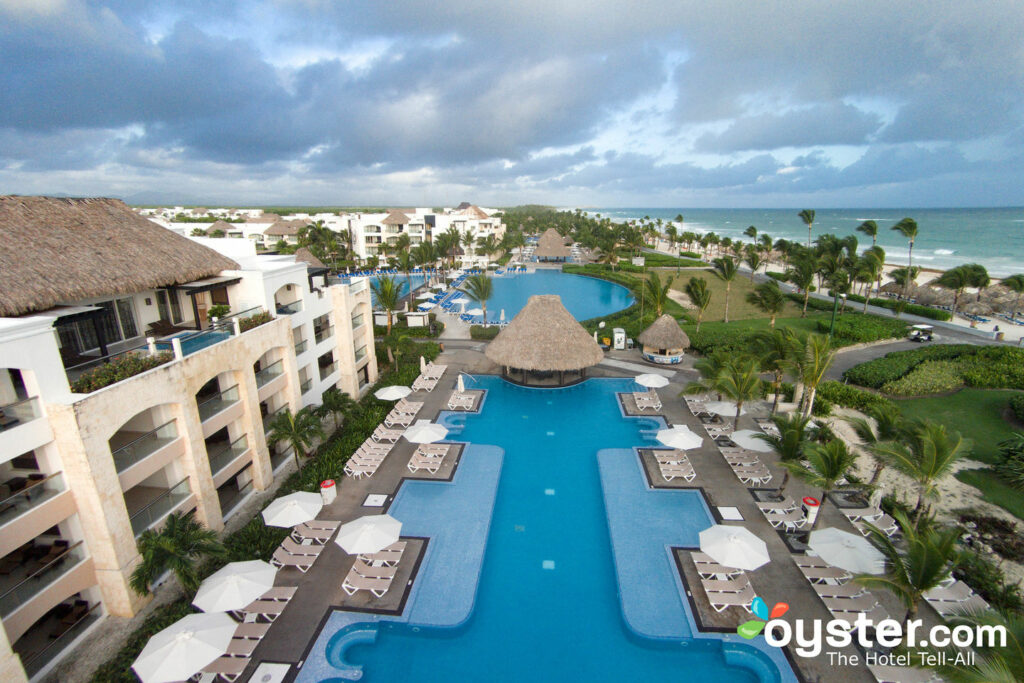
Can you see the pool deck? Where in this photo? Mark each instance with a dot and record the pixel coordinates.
(439, 516)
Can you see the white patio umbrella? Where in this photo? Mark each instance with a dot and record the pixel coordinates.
(183, 648)
(427, 306)
(425, 432)
(369, 534)
(475, 311)
(651, 381)
(235, 585)
(423, 363)
(440, 285)
(460, 385)
(295, 508)
(680, 437)
(744, 438)
(734, 546)
(425, 296)
(723, 408)
(847, 551)
(502, 316)
(392, 393)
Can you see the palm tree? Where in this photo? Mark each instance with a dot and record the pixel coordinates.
(926, 454)
(814, 360)
(1015, 283)
(869, 228)
(700, 296)
(776, 350)
(955, 279)
(337, 403)
(739, 380)
(725, 270)
(977, 276)
(709, 368)
(888, 425)
(908, 228)
(769, 298)
(801, 273)
(406, 262)
(298, 430)
(388, 293)
(993, 664)
(479, 288)
(789, 444)
(657, 293)
(827, 465)
(929, 558)
(177, 547)
(751, 232)
(752, 257)
(608, 255)
(807, 216)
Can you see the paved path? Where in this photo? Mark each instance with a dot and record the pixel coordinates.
(636, 367)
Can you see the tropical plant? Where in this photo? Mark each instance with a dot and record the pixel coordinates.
(776, 350)
(955, 279)
(177, 547)
(406, 262)
(929, 556)
(869, 228)
(697, 290)
(299, 430)
(789, 445)
(337, 403)
(479, 288)
(1011, 464)
(801, 273)
(999, 664)
(888, 425)
(824, 466)
(709, 368)
(725, 270)
(908, 228)
(1015, 283)
(813, 361)
(388, 293)
(739, 381)
(769, 298)
(807, 216)
(657, 293)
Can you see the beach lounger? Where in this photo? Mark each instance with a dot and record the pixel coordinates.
(359, 470)
(382, 433)
(241, 647)
(251, 630)
(678, 471)
(280, 594)
(844, 590)
(955, 592)
(419, 461)
(750, 476)
(790, 519)
(408, 407)
(391, 555)
(374, 571)
(900, 674)
(283, 559)
(672, 457)
(741, 459)
(459, 401)
(268, 609)
(424, 384)
(975, 603)
(364, 456)
(739, 584)
(434, 371)
(824, 574)
(722, 601)
(434, 450)
(372, 446)
(323, 524)
(860, 604)
(869, 514)
(291, 547)
(301, 533)
(784, 505)
(400, 419)
(354, 583)
(876, 614)
(713, 570)
(885, 523)
(227, 667)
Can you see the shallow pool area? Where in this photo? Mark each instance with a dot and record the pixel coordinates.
(585, 297)
(548, 604)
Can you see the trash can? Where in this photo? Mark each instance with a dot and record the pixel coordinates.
(1000, 335)
(811, 507)
(328, 491)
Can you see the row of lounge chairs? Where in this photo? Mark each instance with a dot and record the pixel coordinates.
(647, 400)
(843, 599)
(230, 666)
(746, 465)
(955, 598)
(367, 458)
(428, 457)
(429, 378)
(304, 545)
(767, 426)
(403, 414)
(460, 401)
(374, 572)
(724, 587)
(675, 464)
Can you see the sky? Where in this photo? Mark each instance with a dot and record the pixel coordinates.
(597, 103)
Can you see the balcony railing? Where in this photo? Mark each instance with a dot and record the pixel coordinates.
(69, 631)
(360, 353)
(33, 495)
(159, 507)
(268, 419)
(288, 309)
(357, 320)
(223, 457)
(323, 333)
(306, 386)
(147, 444)
(328, 370)
(301, 347)
(39, 580)
(269, 373)
(213, 405)
(14, 414)
(358, 286)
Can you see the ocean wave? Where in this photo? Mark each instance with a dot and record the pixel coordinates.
(945, 252)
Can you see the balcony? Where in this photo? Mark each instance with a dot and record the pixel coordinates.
(322, 333)
(228, 453)
(328, 370)
(360, 353)
(358, 286)
(143, 446)
(289, 308)
(47, 639)
(218, 403)
(197, 341)
(301, 347)
(19, 413)
(158, 507)
(269, 373)
(59, 560)
(268, 419)
(306, 386)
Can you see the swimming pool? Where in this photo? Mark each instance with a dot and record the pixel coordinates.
(585, 297)
(547, 607)
(194, 341)
(403, 284)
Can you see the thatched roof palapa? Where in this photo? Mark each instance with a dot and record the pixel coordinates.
(551, 245)
(220, 225)
(285, 228)
(61, 250)
(395, 218)
(545, 337)
(306, 256)
(664, 333)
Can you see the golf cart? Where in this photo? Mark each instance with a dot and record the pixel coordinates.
(921, 333)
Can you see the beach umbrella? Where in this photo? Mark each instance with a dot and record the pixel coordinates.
(425, 432)
(295, 508)
(723, 408)
(847, 551)
(977, 308)
(424, 296)
(423, 364)
(502, 316)
(392, 393)
(426, 307)
(680, 437)
(734, 546)
(744, 438)
(440, 285)
(475, 311)
(651, 381)
(235, 585)
(369, 534)
(460, 385)
(183, 648)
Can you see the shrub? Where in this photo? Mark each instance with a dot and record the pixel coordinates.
(812, 303)
(733, 339)
(987, 580)
(255, 320)
(895, 365)
(851, 397)
(913, 309)
(995, 367)
(860, 328)
(776, 275)
(931, 377)
(118, 369)
(481, 332)
(1017, 406)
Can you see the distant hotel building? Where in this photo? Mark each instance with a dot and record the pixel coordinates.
(82, 474)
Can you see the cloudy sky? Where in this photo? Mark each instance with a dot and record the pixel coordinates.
(598, 103)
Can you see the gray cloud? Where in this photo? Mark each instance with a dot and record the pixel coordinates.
(831, 124)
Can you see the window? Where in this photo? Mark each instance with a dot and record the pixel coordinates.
(126, 312)
(168, 305)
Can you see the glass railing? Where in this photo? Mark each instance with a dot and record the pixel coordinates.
(197, 341)
(53, 568)
(288, 309)
(357, 320)
(220, 459)
(360, 353)
(277, 459)
(268, 419)
(301, 347)
(323, 333)
(68, 632)
(306, 386)
(269, 373)
(328, 370)
(14, 414)
(156, 510)
(357, 286)
(213, 405)
(33, 495)
(147, 444)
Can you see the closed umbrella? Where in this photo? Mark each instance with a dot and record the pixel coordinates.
(734, 546)
(369, 534)
(425, 432)
(745, 438)
(460, 385)
(440, 285)
(723, 408)
(392, 393)
(183, 648)
(235, 585)
(295, 508)
(423, 364)
(475, 311)
(425, 296)
(502, 316)
(680, 437)
(651, 381)
(847, 551)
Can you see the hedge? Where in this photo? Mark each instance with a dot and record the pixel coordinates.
(776, 275)
(851, 397)
(982, 367)
(1017, 406)
(118, 369)
(930, 377)
(860, 328)
(912, 309)
(485, 333)
(892, 366)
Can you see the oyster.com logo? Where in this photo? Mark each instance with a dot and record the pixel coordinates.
(750, 629)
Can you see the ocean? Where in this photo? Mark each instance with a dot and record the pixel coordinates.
(946, 237)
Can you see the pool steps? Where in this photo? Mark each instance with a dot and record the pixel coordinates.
(339, 646)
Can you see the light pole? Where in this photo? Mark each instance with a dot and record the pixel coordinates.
(835, 308)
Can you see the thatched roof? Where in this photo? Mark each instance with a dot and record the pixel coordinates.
(395, 218)
(285, 228)
(61, 250)
(474, 212)
(220, 225)
(551, 245)
(665, 333)
(306, 256)
(263, 218)
(544, 336)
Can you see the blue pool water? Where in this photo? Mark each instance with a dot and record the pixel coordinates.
(194, 341)
(547, 607)
(585, 297)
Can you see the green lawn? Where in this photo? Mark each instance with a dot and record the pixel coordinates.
(739, 309)
(976, 413)
(801, 325)
(994, 490)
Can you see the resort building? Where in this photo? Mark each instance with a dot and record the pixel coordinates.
(139, 373)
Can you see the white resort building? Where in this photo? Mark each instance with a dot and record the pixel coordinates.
(127, 392)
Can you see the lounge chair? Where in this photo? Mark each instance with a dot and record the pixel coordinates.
(875, 614)
(418, 462)
(372, 446)
(672, 457)
(397, 418)
(459, 401)
(424, 384)
(955, 592)
(678, 471)
(370, 570)
(751, 476)
(303, 532)
(900, 674)
(227, 667)
(283, 559)
(330, 524)
(844, 590)
(824, 574)
(860, 604)
(364, 456)
(868, 514)
(268, 609)
(251, 630)
(434, 450)
(709, 569)
(408, 407)
(722, 601)
(434, 371)
(391, 555)
(741, 459)
(792, 519)
(382, 433)
(293, 548)
(354, 583)
(783, 505)
(241, 647)
(735, 585)
(885, 523)
(810, 561)
(280, 594)
(359, 470)
(975, 603)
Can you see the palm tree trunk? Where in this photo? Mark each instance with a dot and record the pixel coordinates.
(772, 324)
(778, 388)
(910, 268)
(736, 420)
(728, 286)
(785, 480)
(866, 298)
(809, 395)
(807, 295)
(876, 474)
